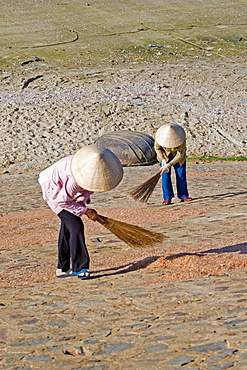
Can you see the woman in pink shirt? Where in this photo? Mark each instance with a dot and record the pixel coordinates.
(66, 187)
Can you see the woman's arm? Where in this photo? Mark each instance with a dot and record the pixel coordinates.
(160, 152)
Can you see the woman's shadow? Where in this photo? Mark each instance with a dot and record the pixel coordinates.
(123, 269)
(222, 195)
(242, 248)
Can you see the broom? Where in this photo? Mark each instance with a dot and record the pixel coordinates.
(134, 236)
(143, 191)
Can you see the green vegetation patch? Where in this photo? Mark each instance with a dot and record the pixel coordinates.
(210, 158)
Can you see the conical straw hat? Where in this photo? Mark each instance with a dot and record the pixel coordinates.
(96, 169)
(170, 136)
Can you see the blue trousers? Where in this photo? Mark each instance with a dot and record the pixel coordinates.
(181, 182)
(71, 243)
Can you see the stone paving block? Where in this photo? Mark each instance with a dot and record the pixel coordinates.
(227, 365)
(180, 360)
(115, 347)
(160, 347)
(33, 342)
(242, 365)
(235, 323)
(39, 358)
(242, 356)
(208, 347)
(58, 323)
(221, 355)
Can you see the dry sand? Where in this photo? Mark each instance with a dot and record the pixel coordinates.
(204, 237)
(96, 74)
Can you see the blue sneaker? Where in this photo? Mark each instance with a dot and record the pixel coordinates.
(84, 273)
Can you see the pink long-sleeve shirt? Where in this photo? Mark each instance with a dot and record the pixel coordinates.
(60, 190)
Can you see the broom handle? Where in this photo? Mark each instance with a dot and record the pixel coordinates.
(100, 219)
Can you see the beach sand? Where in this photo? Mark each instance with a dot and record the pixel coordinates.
(71, 72)
(206, 236)
(63, 88)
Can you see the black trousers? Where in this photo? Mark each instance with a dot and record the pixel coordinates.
(71, 243)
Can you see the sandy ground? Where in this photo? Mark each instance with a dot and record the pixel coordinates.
(206, 236)
(71, 72)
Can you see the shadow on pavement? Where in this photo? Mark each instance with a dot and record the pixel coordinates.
(229, 249)
(126, 268)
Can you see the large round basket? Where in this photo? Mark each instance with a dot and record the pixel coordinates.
(133, 148)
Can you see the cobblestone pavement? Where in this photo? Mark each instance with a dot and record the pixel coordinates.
(122, 318)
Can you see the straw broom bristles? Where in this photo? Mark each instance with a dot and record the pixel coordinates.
(134, 236)
(143, 191)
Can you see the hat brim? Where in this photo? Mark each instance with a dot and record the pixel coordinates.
(170, 136)
(96, 170)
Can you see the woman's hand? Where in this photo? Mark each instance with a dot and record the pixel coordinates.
(92, 214)
(165, 167)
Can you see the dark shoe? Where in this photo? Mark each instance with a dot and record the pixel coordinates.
(186, 199)
(166, 202)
